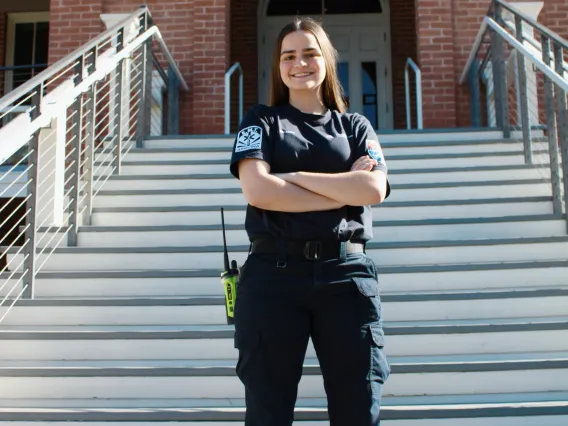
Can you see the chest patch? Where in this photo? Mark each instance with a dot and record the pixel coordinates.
(249, 138)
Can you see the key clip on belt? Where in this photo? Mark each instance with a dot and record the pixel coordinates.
(312, 250)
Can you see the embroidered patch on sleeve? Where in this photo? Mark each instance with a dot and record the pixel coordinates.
(249, 138)
(374, 150)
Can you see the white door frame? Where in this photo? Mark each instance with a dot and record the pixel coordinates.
(335, 22)
(13, 19)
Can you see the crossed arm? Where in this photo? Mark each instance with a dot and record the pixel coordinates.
(303, 191)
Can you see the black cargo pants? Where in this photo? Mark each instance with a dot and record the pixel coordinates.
(282, 301)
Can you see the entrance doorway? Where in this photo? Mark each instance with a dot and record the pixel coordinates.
(363, 43)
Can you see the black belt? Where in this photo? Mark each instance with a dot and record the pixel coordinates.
(311, 250)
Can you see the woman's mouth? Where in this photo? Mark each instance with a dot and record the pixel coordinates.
(302, 74)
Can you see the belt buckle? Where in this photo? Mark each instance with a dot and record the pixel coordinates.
(312, 250)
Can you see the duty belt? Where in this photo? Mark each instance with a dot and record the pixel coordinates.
(311, 250)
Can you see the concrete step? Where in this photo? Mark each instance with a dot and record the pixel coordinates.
(439, 252)
(385, 231)
(387, 211)
(547, 408)
(182, 283)
(390, 148)
(410, 176)
(210, 310)
(413, 138)
(411, 376)
(33, 343)
(401, 193)
(151, 166)
(206, 152)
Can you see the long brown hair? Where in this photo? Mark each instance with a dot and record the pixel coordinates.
(332, 92)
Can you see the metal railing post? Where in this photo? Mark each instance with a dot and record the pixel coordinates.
(119, 128)
(146, 102)
(91, 106)
(29, 250)
(236, 66)
(173, 102)
(562, 117)
(75, 166)
(551, 131)
(522, 71)
(145, 96)
(500, 78)
(474, 94)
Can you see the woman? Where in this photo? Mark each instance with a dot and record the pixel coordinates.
(309, 172)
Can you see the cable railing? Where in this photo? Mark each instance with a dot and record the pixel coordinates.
(72, 125)
(520, 85)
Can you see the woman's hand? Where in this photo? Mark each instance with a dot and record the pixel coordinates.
(364, 163)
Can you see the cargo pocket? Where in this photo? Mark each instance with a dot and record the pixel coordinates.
(368, 287)
(368, 302)
(379, 370)
(248, 363)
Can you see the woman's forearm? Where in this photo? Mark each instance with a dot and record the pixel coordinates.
(272, 193)
(355, 188)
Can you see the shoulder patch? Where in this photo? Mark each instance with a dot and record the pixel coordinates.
(374, 150)
(249, 138)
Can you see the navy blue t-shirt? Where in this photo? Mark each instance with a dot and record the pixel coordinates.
(290, 140)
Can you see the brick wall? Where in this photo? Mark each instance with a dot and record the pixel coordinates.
(173, 18)
(197, 35)
(436, 55)
(196, 32)
(72, 23)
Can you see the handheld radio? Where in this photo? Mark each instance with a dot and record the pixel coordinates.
(229, 278)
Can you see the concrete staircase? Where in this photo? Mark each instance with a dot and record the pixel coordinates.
(129, 325)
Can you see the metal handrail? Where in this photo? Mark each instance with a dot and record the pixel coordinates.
(418, 83)
(503, 85)
(473, 51)
(531, 40)
(546, 70)
(554, 37)
(228, 74)
(544, 30)
(75, 122)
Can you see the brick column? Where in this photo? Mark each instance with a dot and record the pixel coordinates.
(71, 24)
(435, 49)
(211, 54)
(403, 46)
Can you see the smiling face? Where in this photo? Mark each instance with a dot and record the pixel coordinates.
(302, 66)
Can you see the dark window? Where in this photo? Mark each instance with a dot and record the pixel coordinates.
(330, 7)
(30, 48)
(369, 80)
(23, 52)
